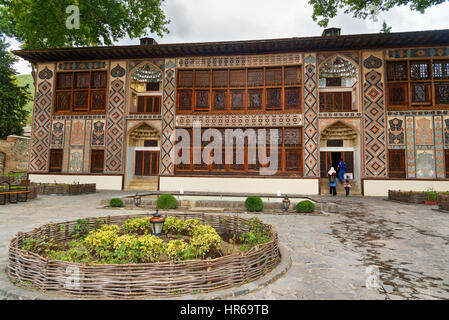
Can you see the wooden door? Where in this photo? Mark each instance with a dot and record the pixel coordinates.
(326, 163)
(97, 161)
(348, 158)
(147, 163)
(396, 163)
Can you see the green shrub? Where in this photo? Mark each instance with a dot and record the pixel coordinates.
(257, 234)
(166, 201)
(173, 225)
(137, 225)
(431, 196)
(305, 206)
(177, 250)
(254, 204)
(116, 202)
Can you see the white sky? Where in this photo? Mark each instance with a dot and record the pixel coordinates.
(229, 20)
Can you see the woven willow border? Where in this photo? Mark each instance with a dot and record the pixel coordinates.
(127, 281)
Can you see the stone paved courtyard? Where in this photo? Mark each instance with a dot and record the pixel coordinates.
(330, 253)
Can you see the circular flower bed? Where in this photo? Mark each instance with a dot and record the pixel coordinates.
(118, 257)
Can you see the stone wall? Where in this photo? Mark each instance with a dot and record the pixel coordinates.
(14, 154)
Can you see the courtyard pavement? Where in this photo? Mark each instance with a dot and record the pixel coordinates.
(332, 254)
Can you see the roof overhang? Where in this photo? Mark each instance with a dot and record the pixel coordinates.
(309, 44)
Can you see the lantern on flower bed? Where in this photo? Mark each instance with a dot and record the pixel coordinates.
(286, 203)
(157, 223)
(137, 200)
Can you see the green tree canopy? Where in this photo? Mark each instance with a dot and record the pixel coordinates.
(385, 28)
(42, 23)
(13, 98)
(323, 10)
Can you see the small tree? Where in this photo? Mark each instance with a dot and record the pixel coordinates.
(13, 98)
(385, 28)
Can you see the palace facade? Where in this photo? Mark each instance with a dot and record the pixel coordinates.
(380, 102)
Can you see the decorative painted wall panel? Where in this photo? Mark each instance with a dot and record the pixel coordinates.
(86, 155)
(410, 134)
(76, 159)
(256, 120)
(239, 61)
(98, 132)
(57, 135)
(418, 53)
(396, 131)
(40, 136)
(354, 123)
(168, 118)
(115, 124)
(424, 131)
(439, 147)
(84, 65)
(311, 159)
(425, 164)
(66, 152)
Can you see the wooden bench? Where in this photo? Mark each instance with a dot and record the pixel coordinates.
(9, 193)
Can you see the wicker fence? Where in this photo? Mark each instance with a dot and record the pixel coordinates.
(126, 281)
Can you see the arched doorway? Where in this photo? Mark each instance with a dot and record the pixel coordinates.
(143, 154)
(340, 141)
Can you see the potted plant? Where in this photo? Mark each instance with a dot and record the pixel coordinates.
(431, 197)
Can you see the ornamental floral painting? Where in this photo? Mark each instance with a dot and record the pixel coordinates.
(425, 164)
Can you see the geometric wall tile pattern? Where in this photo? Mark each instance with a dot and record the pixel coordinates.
(254, 120)
(311, 164)
(40, 137)
(168, 119)
(374, 121)
(115, 126)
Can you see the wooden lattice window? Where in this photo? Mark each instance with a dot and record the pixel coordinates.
(148, 104)
(335, 101)
(80, 92)
(397, 94)
(420, 70)
(442, 93)
(421, 93)
(441, 70)
(333, 82)
(397, 71)
(289, 152)
(396, 163)
(250, 89)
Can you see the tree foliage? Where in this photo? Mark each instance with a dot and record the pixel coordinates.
(13, 98)
(323, 10)
(385, 28)
(42, 23)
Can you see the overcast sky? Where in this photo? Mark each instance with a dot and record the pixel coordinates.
(228, 20)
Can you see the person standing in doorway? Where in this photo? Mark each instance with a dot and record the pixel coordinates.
(332, 175)
(341, 170)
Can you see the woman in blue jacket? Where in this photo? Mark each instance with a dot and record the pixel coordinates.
(341, 170)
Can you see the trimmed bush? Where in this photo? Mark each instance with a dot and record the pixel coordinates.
(116, 202)
(166, 201)
(305, 206)
(254, 204)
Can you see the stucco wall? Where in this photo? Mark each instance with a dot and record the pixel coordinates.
(105, 182)
(240, 185)
(379, 188)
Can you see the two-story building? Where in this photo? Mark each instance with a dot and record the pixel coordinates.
(380, 102)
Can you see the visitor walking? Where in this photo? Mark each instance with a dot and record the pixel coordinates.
(341, 168)
(347, 187)
(332, 175)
